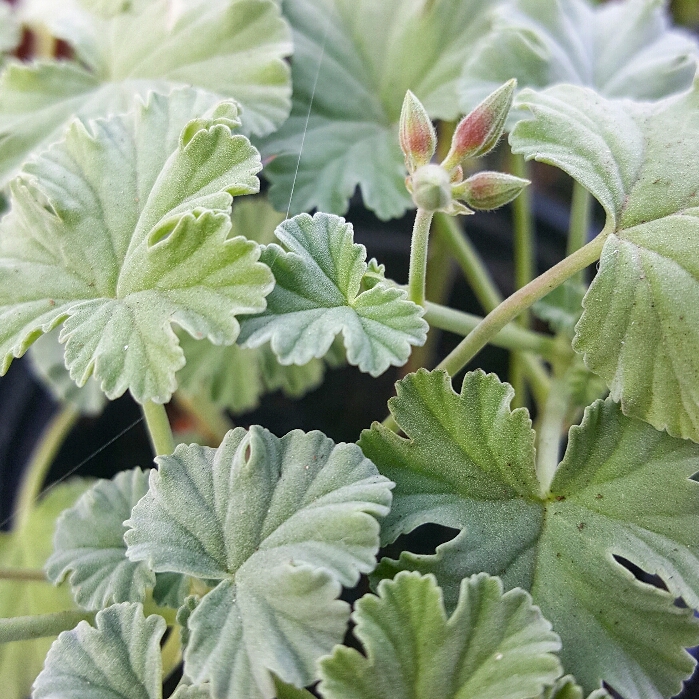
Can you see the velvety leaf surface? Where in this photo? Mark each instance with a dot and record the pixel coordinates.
(319, 294)
(623, 489)
(231, 48)
(621, 49)
(567, 688)
(353, 62)
(235, 378)
(119, 658)
(119, 270)
(283, 523)
(28, 547)
(89, 544)
(493, 646)
(640, 326)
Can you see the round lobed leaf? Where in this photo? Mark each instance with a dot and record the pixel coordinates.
(117, 659)
(283, 523)
(89, 544)
(493, 646)
(623, 490)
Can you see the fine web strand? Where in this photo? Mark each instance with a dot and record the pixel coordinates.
(308, 115)
(78, 467)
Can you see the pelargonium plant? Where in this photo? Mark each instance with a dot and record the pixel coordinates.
(137, 255)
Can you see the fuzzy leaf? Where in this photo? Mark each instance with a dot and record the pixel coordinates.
(283, 523)
(28, 547)
(493, 646)
(119, 270)
(622, 489)
(354, 61)
(230, 48)
(235, 378)
(318, 295)
(89, 544)
(640, 325)
(119, 659)
(621, 49)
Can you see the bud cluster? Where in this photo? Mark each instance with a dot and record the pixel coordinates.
(443, 187)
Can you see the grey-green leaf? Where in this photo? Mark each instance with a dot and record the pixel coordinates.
(353, 62)
(117, 659)
(118, 271)
(493, 646)
(229, 48)
(621, 49)
(641, 319)
(623, 489)
(89, 544)
(283, 523)
(318, 294)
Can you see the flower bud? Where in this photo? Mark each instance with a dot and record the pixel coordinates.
(418, 139)
(431, 188)
(479, 131)
(489, 190)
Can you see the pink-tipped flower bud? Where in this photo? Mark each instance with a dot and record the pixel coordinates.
(489, 190)
(431, 188)
(418, 139)
(479, 131)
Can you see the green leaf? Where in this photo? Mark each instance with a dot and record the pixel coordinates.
(288, 691)
(48, 364)
(171, 589)
(89, 544)
(354, 60)
(621, 49)
(283, 523)
(231, 48)
(318, 295)
(28, 548)
(119, 659)
(640, 327)
(493, 646)
(119, 270)
(623, 489)
(567, 688)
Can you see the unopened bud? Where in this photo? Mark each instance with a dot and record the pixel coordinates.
(489, 190)
(418, 139)
(431, 188)
(479, 131)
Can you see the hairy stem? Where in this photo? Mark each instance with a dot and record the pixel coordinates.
(418, 257)
(475, 271)
(549, 433)
(579, 221)
(23, 574)
(51, 441)
(509, 309)
(511, 336)
(158, 428)
(24, 628)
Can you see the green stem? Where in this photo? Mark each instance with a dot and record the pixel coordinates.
(24, 574)
(579, 220)
(418, 257)
(511, 337)
(24, 628)
(522, 299)
(476, 273)
(158, 428)
(525, 268)
(171, 652)
(549, 433)
(51, 441)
